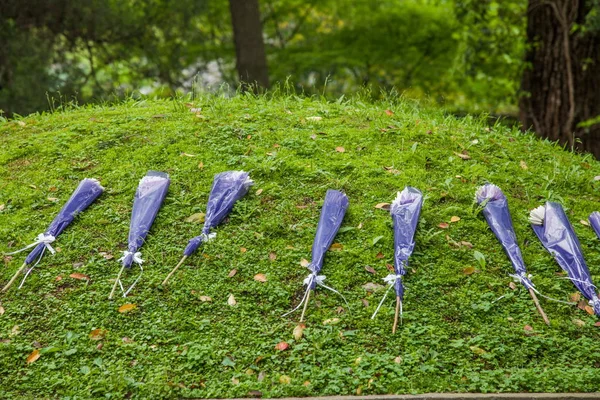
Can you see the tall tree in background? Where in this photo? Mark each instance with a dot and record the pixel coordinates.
(561, 83)
(251, 61)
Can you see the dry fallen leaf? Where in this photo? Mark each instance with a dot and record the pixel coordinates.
(370, 269)
(579, 322)
(205, 298)
(272, 256)
(340, 149)
(127, 307)
(1, 310)
(584, 222)
(443, 225)
(299, 331)
(243, 249)
(331, 321)
(232, 273)
(379, 255)
(383, 206)
(575, 297)
(528, 328)
(260, 278)
(389, 112)
(454, 218)
(200, 165)
(306, 383)
(372, 287)
(196, 218)
(469, 271)
(281, 346)
(523, 164)
(463, 156)
(597, 323)
(2, 207)
(235, 381)
(33, 356)
(589, 310)
(512, 285)
(398, 360)
(467, 244)
(336, 247)
(231, 300)
(80, 276)
(285, 380)
(97, 334)
(304, 262)
(258, 192)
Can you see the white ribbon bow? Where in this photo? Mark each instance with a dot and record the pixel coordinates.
(390, 280)
(137, 258)
(41, 238)
(317, 279)
(209, 237)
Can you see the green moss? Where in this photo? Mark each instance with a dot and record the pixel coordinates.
(454, 337)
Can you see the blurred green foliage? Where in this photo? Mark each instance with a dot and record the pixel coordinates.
(464, 54)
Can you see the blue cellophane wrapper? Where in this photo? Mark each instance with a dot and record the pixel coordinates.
(405, 211)
(148, 199)
(558, 237)
(498, 217)
(228, 187)
(85, 194)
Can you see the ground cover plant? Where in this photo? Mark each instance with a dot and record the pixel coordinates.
(216, 329)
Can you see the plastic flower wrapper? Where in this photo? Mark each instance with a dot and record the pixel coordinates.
(85, 194)
(148, 199)
(595, 222)
(497, 215)
(405, 211)
(552, 227)
(228, 187)
(332, 215)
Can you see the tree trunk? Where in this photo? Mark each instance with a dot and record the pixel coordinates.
(249, 47)
(561, 84)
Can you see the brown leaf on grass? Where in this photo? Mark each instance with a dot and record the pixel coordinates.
(299, 331)
(260, 278)
(597, 323)
(80, 276)
(336, 247)
(575, 297)
(443, 225)
(370, 269)
(589, 310)
(467, 244)
(584, 222)
(469, 271)
(389, 112)
(523, 164)
(33, 357)
(340, 149)
(243, 249)
(582, 304)
(231, 300)
(205, 299)
(97, 334)
(1, 310)
(285, 380)
(258, 192)
(196, 218)
(389, 267)
(464, 155)
(454, 218)
(365, 302)
(579, 322)
(272, 256)
(232, 273)
(372, 287)
(331, 321)
(383, 206)
(200, 165)
(379, 255)
(107, 256)
(127, 307)
(512, 285)
(528, 328)
(281, 346)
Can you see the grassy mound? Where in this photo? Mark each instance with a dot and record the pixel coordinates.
(178, 342)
